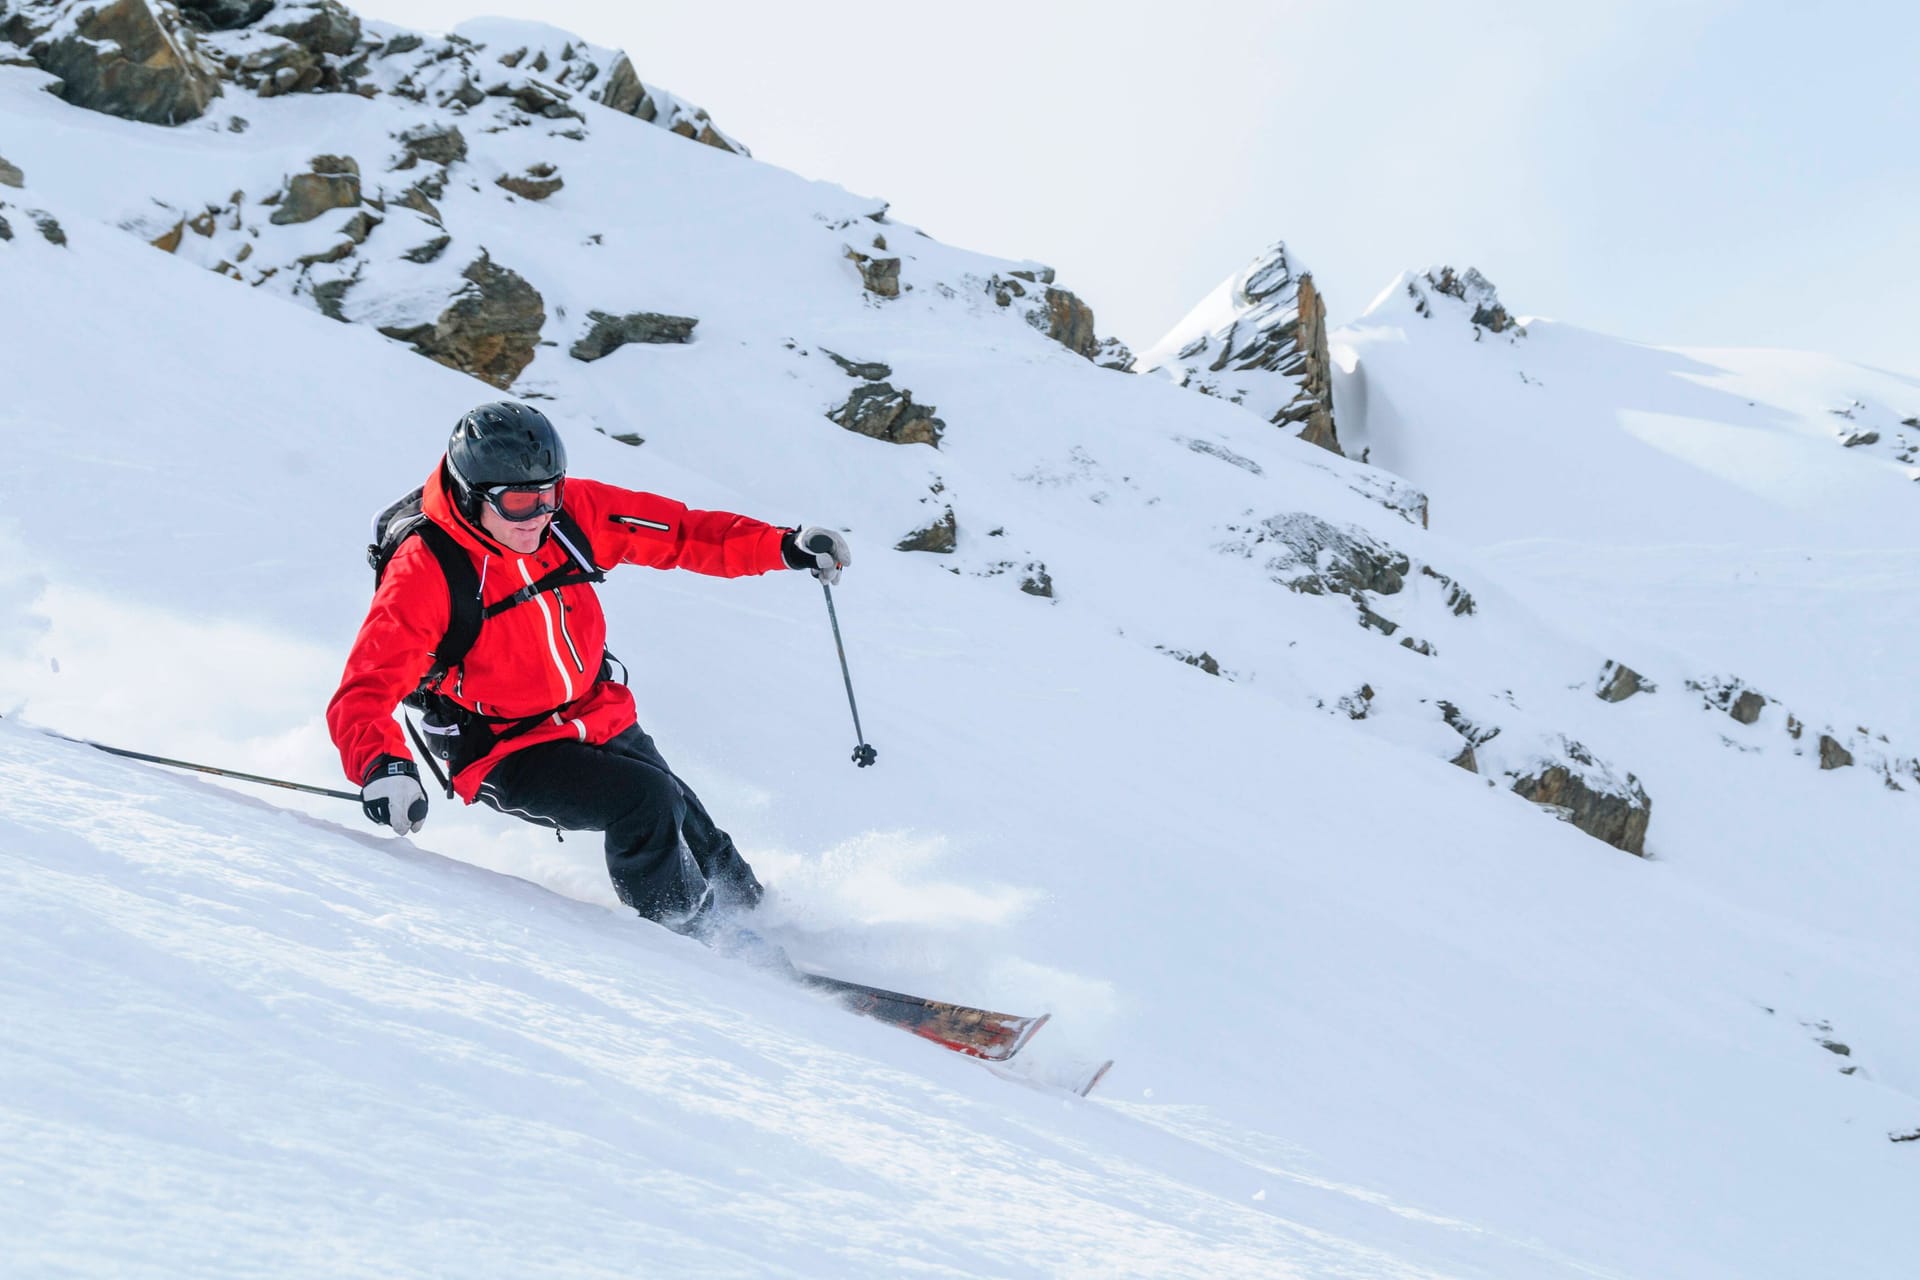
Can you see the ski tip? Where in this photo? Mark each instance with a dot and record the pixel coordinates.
(1099, 1074)
(1026, 1033)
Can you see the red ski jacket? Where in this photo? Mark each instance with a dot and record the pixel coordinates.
(540, 658)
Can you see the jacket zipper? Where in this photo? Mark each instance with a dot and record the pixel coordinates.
(553, 650)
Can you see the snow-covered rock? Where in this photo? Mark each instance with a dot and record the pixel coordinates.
(1258, 340)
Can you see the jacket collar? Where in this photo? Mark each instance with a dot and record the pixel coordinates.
(436, 502)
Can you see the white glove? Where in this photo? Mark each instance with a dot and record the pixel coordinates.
(392, 795)
(822, 550)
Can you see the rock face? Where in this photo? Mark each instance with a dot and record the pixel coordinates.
(11, 176)
(1259, 340)
(1308, 555)
(135, 59)
(1593, 797)
(940, 538)
(608, 333)
(624, 91)
(334, 183)
(879, 411)
(537, 183)
(1619, 682)
(879, 276)
(1472, 291)
(489, 331)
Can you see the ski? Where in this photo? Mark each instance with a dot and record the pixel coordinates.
(978, 1033)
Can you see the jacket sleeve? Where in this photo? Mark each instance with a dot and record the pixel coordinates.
(393, 651)
(630, 527)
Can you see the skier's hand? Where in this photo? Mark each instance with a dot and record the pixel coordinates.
(821, 550)
(392, 795)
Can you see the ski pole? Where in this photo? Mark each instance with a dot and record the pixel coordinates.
(224, 773)
(863, 755)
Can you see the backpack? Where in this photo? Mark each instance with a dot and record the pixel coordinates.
(455, 733)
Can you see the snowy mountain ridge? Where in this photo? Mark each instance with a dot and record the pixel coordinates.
(1445, 1034)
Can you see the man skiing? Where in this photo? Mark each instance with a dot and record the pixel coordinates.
(525, 712)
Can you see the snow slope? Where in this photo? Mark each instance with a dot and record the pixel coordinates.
(1375, 1015)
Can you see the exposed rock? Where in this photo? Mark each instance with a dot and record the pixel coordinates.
(435, 144)
(1038, 582)
(489, 331)
(49, 226)
(330, 297)
(1477, 292)
(10, 175)
(539, 182)
(223, 15)
(1069, 322)
(430, 251)
(1618, 682)
(940, 537)
(131, 59)
(1313, 557)
(877, 410)
(610, 332)
(333, 184)
(1459, 600)
(881, 276)
(871, 370)
(1203, 660)
(1111, 353)
(320, 26)
(1592, 797)
(1466, 759)
(1270, 357)
(1832, 754)
(6, 229)
(624, 91)
(1731, 695)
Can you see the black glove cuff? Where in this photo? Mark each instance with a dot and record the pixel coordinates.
(387, 766)
(791, 552)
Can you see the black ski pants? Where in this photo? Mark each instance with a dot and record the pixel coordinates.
(668, 860)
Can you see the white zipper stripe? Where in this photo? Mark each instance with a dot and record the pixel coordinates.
(553, 649)
(642, 523)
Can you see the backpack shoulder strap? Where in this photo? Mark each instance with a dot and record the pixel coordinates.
(463, 595)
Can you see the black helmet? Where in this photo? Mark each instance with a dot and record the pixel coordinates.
(504, 443)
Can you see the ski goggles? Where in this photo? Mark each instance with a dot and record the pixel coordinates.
(519, 503)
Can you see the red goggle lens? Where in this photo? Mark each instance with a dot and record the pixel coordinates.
(522, 504)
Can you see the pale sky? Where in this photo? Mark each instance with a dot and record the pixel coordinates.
(1680, 172)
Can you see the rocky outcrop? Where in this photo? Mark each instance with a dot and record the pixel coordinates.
(940, 537)
(878, 410)
(1592, 796)
(490, 329)
(1471, 291)
(434, 144)
(537, 183)
(624, 91)
(10, 176)
(136, 59)
(608, 333)
(1306, 554)
(333, 183)
(1618, 682)
(1260, 341)
(1069, 322)
(879, 276)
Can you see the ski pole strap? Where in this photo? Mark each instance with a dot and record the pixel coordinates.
(428, 756)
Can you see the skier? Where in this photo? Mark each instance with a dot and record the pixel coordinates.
(528, 716)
